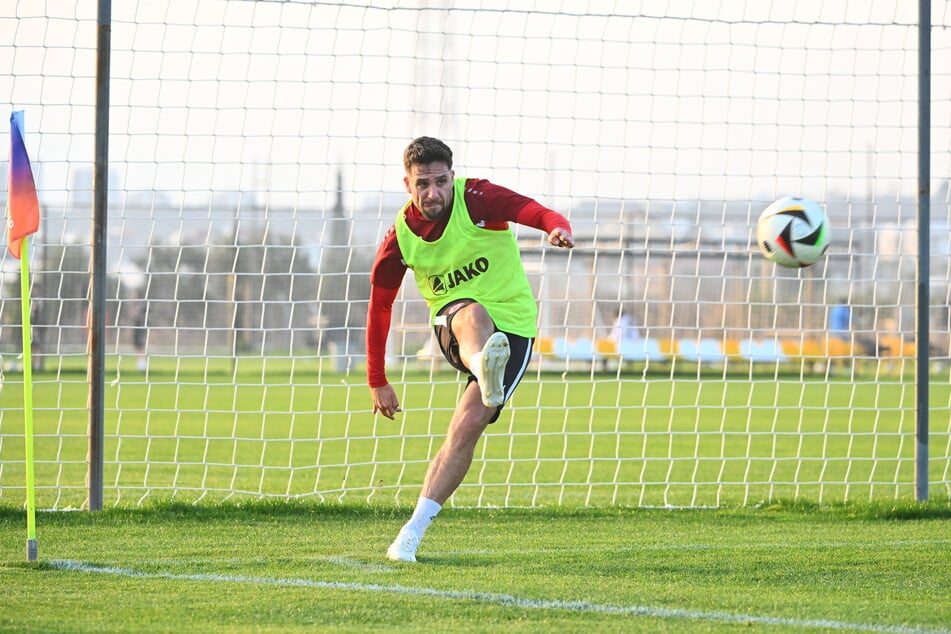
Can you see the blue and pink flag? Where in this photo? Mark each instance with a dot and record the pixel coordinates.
(23, 205)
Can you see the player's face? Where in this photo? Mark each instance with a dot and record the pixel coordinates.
(430, 188)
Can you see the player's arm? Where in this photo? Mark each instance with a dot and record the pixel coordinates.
(385, 279)
(533, 214)
(379, 316)
(495, 206)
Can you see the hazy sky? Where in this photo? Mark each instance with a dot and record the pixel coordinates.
(559, 99)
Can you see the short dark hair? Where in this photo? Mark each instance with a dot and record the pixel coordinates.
(424, 150)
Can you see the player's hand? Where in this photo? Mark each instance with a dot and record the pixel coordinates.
(385, 401)
(561, 238)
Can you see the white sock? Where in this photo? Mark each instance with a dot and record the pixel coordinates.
(425, 512)
(475, 365)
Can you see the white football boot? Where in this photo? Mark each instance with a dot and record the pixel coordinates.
(404, 547)
(495, 356)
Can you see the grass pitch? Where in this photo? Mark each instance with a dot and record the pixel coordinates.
(204, 430)
(584, 559)
(297, 567)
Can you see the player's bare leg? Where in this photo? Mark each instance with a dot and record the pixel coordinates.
(472, 327)
(454, 458)
(446, 471)
(484, 351)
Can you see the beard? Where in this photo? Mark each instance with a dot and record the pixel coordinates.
(435, 210)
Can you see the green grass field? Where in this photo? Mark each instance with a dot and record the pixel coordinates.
(203, 429)
(299, 567)
(261, 498)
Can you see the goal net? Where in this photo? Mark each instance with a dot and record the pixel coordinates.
(255, 162)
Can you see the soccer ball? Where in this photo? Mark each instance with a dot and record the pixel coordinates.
(793, 232)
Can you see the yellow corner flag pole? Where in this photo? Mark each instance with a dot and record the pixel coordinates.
(24, 219)
(32, 549)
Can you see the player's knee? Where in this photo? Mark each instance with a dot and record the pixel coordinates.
(466, 430)
(476, 317)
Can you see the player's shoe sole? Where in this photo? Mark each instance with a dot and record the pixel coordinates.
(403, 547)
(495, 356)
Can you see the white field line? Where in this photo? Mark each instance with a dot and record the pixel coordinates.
(500, 599)
(343, 562)
(713, 546)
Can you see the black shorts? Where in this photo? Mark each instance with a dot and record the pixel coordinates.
(520, 350)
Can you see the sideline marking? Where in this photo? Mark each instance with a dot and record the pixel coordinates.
(910, 543)
(498, 599)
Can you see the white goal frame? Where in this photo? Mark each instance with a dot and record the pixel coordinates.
(253, 162)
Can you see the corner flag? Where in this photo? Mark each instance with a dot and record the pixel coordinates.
(24, 208)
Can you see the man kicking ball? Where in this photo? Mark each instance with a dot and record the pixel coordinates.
(454, 234)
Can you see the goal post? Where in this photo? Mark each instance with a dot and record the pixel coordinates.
(255, 162)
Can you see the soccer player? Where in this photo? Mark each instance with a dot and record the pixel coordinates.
(454, 234)
(840, 320)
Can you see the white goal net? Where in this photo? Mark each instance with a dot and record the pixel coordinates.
(255, 160)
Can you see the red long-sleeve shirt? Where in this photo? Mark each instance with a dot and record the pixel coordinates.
(489, 205)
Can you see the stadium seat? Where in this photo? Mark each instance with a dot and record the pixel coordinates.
(669, 347)
(838, 347)
(576, 350)
(766, 351)
(641, 350)
(791, 348)
(544, 345)
(731, 347)
(606, 346)
(895, 346)
(811, 349)
(704, 351)
(805, 350)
